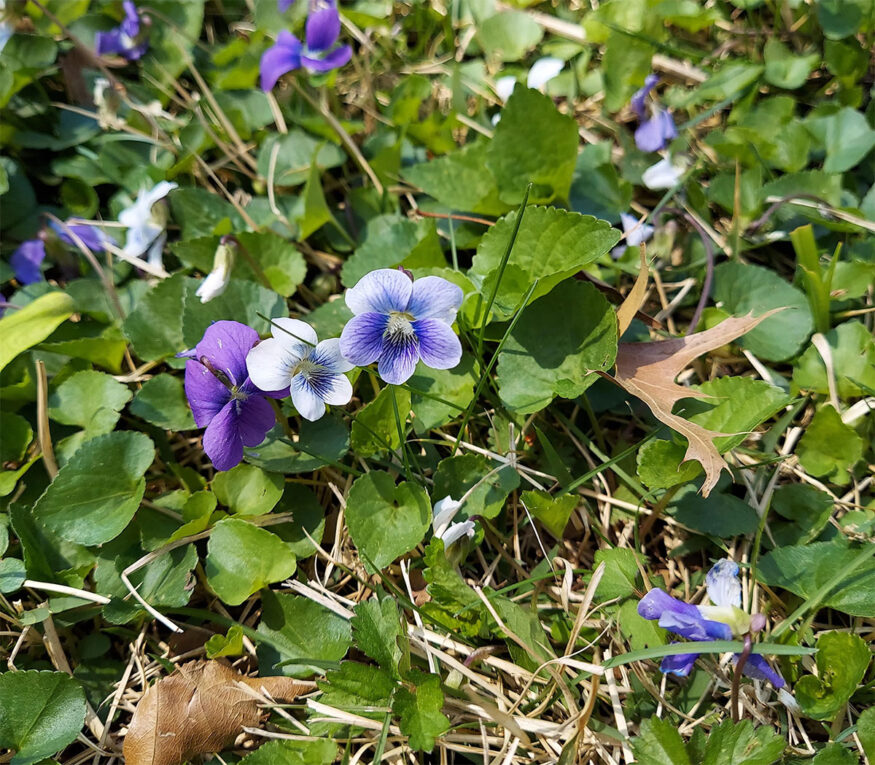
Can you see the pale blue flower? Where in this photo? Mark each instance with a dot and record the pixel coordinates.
(656, 130)
(146, 220)
(294, 357)
(399, 321)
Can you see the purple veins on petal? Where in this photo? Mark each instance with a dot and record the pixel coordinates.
(381, 291)
(361, 341)
(222, 441)
(398, 360)
(27, 259)
(439, 347)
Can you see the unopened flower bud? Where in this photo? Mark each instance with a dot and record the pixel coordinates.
(217, 280)
(757, 622)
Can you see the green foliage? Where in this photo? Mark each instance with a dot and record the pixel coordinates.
(90, 400)
(242, 558)
(842, 659)
(531, 372)
(420, 711)
(24, 328)
(853, 356)
(161, 402)
(553, 512)
(828, 447)
(40, 713)
(97, 492)
(550, 246)
(385, 520)
(376, 628)
(248, 490)
(456, 476)
(375, 428)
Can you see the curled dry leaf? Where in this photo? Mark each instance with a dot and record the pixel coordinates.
(202, 707)
(648, 370)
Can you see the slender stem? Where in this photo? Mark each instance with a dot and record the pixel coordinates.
(453, 216)
(42, 417)
(736, 677)
(505, 258)
(401, 439)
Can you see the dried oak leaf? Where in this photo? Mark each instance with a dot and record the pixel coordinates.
(202, 707)
(648, 370)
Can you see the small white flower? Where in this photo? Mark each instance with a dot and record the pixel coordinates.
(544, 70)
(504, 87)
(635, 234)
(295, 358)
(665, 174)
(444, 512)
(217, 280)
(146, 222)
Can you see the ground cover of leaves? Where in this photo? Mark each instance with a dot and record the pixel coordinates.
(654, 222)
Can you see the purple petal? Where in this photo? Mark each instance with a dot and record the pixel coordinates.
(361, 341)
(255, 416)
(681, 618)
(669, 131)
(284, 5)
(398, 360)
(225, 344)
(434, 297)
(641, 94)
(91, 236)
(680, 665)
(323, 28)
(137, 52)
(648, 136)
(283, 57)
(758, 668)
(131, 23)
(205, 392)
(108, 42)
(337, 58)
(222, 441)
(439, 347)
(26, 261)
(381, 291)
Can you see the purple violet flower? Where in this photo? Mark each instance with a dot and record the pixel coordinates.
(91, 236)
(716, 622)
(295, 357)
(27, 259)
(399, 321)
(655, 132)
(319, 54)
(129, 39)
(223, 398)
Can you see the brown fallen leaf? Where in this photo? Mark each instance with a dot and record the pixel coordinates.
(201, 708)
(648, 370)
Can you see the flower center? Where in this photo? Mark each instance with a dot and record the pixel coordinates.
(399, 326)
(237, 394)
(309, 369)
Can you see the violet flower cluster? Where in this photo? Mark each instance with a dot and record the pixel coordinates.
(398, 322)
(318, 52)
(721, 621)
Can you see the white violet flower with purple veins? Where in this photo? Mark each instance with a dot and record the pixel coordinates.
(635, 233)
(146, 221)
(399, 321)
(293, 357)
(444, 512)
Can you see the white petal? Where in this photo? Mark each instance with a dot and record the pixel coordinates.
(327, 354)
(211, 287)
(308, 404)
(270, 365)
(444, 512)
(455, 532)
(156, 193)
(663, 175)
(544, 70)
(294, 333)
(340, 391)
(724, 586)
(635, 233)
(380, 291)
(155, 256)
(139, 238)
(504, 87)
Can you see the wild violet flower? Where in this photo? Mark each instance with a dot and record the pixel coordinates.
(665, 174)
(146, 221)
(655, 131)
(91, 236)
(720, 621)
(294, 358)
(444, 512)
(7, 27)
(216, 281)
(129, 39)
(27, 259)
(222, 398)
(320, 53)
(542, 71)
(635, 234)
(399, 321)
